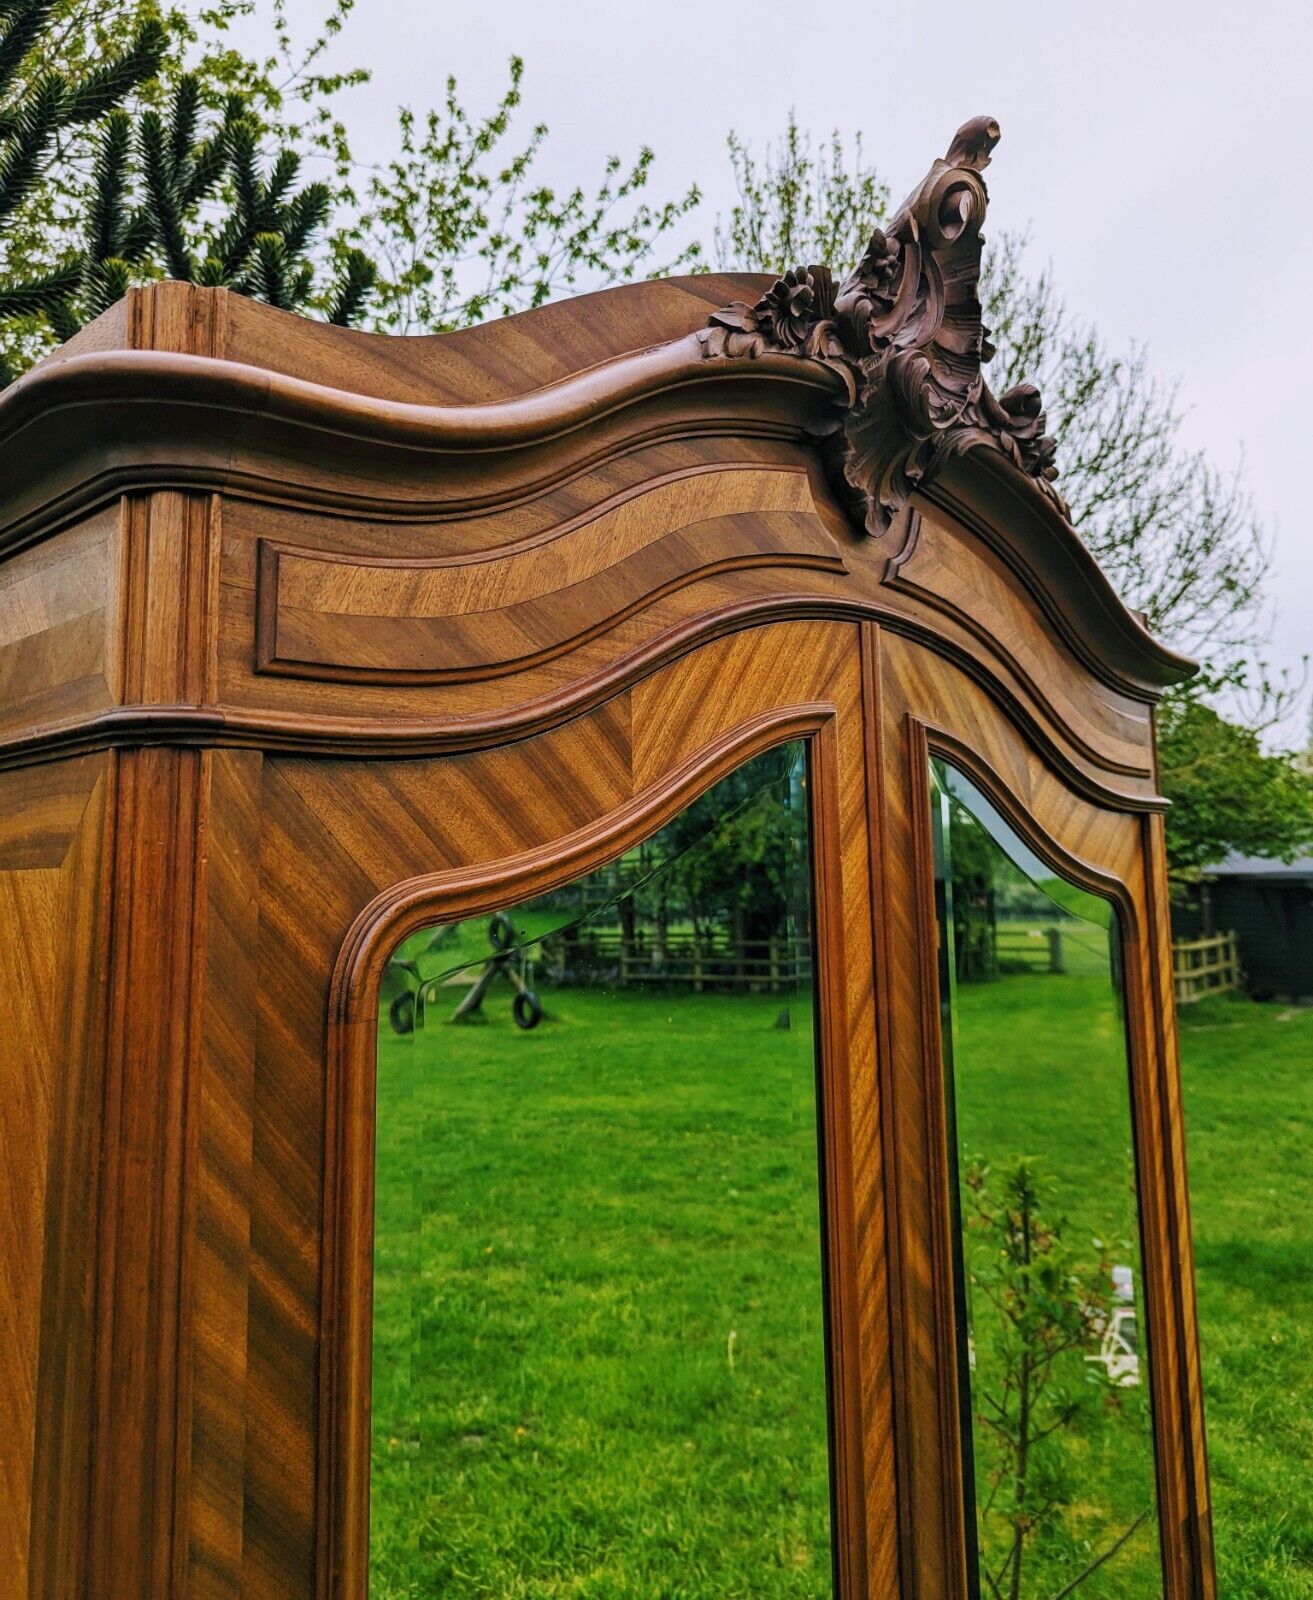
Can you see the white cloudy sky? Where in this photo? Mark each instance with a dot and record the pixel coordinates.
(1156, 151)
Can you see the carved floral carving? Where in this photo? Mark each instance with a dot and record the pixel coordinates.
(905, 332)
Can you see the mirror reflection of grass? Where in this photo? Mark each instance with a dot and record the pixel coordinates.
(599, 1363)
(1249, 1102)
(1247, 1075)
(1063, 1457)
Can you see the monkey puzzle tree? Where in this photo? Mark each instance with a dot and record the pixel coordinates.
(151, 182)
(36, 108)
(169, 178)
(456, 227)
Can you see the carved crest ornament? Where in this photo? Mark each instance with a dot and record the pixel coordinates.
(904, 331)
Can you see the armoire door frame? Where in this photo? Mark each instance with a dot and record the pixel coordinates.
(909, 1480)
(1115, 852)
(862, 1486)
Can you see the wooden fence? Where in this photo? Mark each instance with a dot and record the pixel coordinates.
(605, 955)
(1036, 949)
(1205, 966)
(989, 949)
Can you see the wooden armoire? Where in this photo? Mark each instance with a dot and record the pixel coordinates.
(310, 638)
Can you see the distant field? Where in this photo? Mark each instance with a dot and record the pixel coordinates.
(633, 1183)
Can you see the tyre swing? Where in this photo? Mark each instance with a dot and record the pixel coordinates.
(406, 991)
(505, 962)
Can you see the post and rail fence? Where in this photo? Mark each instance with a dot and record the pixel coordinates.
(1200, 966)
(1205, 966)
(713, 961)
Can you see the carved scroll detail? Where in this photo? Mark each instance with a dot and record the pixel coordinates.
(905, 332)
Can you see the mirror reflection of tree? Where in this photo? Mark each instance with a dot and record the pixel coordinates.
(1056, 1414)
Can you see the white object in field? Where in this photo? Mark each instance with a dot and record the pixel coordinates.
(1120, 1358)
(1118, 1351)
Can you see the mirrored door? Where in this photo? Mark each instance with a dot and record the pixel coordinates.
(599, 1320)
(1057, 1441)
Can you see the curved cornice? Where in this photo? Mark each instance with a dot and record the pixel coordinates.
(88, 426)
(986, 493)
(534, 418)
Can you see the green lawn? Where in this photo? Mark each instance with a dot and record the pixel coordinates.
(599, 1363)
(1248, 1073)
(1248, 1085)
(598, 1304)
(1041, 1074)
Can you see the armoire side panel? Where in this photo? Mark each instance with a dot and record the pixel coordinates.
(216, 1306)
(52, 882)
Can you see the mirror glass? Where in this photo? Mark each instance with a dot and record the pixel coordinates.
(599, 1326)
(1057, 1438)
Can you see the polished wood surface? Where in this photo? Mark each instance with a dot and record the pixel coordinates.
(308, 637)
(53, 903)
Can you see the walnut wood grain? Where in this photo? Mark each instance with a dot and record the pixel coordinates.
(51, 921)
(58, 610)
(1105, 852)
(966, 584)
(144, 1243)
(88, 426)
(463, 617)
(213, 1418)
(681, 739)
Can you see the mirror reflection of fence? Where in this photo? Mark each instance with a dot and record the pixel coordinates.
(599, 1330)
(1056, 1427)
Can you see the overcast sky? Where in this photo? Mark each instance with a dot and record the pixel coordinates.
(1156, 151)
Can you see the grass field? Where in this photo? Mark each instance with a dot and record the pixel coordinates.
(1248, 1072)
(1041, 1074)
(599, 1366)
(598, 1305)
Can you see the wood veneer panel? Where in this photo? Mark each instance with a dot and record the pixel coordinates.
(526, 802)
(942, 694)
(213, 1407)
(932, 1554)
(673, 715)
(144, 1244)
(442, 620)
(916, 683)
(169, 584)
(418, 619)
(57, 627)
(432, 623)
(51, 902)
(366, 825)
(964, 581)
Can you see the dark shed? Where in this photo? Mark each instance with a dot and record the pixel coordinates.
(1269, 905)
